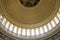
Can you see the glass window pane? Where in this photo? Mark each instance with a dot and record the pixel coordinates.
(4, 21)
(28, 32)
(49, 26)
(11, 27)
(41, 30)
(32, 32)
(23, 32)
(15, 29)
(37, 31)
(19, 31)
(56, 20)
(7, 24)
(53, 23)
(45, 28)
(58, 14)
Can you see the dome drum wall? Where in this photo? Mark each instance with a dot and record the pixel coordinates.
(30, 32)
(29, 17)
(42, 36)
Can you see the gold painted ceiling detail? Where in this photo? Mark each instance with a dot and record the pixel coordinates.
(29, 17)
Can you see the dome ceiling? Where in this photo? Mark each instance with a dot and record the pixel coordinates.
(29, 13)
